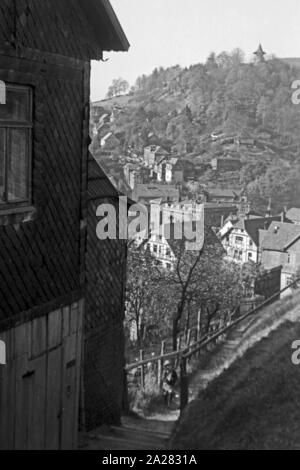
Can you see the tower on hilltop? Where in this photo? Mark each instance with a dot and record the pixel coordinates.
(260, 54)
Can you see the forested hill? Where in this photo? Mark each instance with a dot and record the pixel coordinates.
(248, 103)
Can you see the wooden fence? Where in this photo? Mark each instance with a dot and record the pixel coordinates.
(183, 356)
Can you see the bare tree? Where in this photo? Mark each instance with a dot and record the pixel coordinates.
(201, 279)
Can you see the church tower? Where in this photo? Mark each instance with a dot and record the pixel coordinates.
(260, 54)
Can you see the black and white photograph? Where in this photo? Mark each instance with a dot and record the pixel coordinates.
(149, 228)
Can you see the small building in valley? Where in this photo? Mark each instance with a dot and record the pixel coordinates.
(223, 164)
(281, 247)
(243, 239)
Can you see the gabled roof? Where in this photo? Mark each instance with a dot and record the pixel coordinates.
(160, 159)
(99, 184)
(253, 226)
(173, 161)
(157, 149)
(280, 236)
(105, 24)
(217, 192)
(294, 214)
(156, 191)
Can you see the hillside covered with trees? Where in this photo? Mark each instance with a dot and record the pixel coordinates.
(222, 107)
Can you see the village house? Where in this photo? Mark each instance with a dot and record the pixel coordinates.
(144, 193)
(164, 246)
(243, 236)
(164, 220)
(168, 170)
(152, 154)
(216, 214)
(109, 142)
(174, 171)
(216, 195)
(281, 247)
(61, 324)
(159, 169)
(160, 248)
(223, 164)
(129, 172)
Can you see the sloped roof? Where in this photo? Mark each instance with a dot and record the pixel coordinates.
(173, 161)
(99, 184)
(157, 149)
(294, 214)
(149, 191)
(160, 159)
(106, 26)
(280, 236)
(252, 226)
(217, 192)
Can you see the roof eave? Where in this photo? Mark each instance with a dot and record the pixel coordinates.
(124, 44)
(107, 29)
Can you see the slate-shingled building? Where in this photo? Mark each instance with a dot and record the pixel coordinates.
(103, 333)
(45, 235)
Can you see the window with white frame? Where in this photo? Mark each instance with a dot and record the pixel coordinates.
(16, 125)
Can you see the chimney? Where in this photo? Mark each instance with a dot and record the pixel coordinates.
(269, 210)
(283, 215)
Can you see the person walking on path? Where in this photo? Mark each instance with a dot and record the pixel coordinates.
(169, 381)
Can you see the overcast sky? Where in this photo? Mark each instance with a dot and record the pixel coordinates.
(170, 32)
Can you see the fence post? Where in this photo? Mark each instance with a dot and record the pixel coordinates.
(142, 369)
(188, 340)
(184, 386)
(199, 325)
(160, 363)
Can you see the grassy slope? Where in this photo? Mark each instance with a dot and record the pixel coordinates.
(255, 404)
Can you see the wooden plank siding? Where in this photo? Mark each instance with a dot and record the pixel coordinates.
(39, 385)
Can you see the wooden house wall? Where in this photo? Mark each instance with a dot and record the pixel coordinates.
(46, 258)
(103, 334)
(40, 258)
(56, 26)
(39, 385)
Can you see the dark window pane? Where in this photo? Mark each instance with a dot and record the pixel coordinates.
(2, 163)
(18, 165)
(17, 106)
